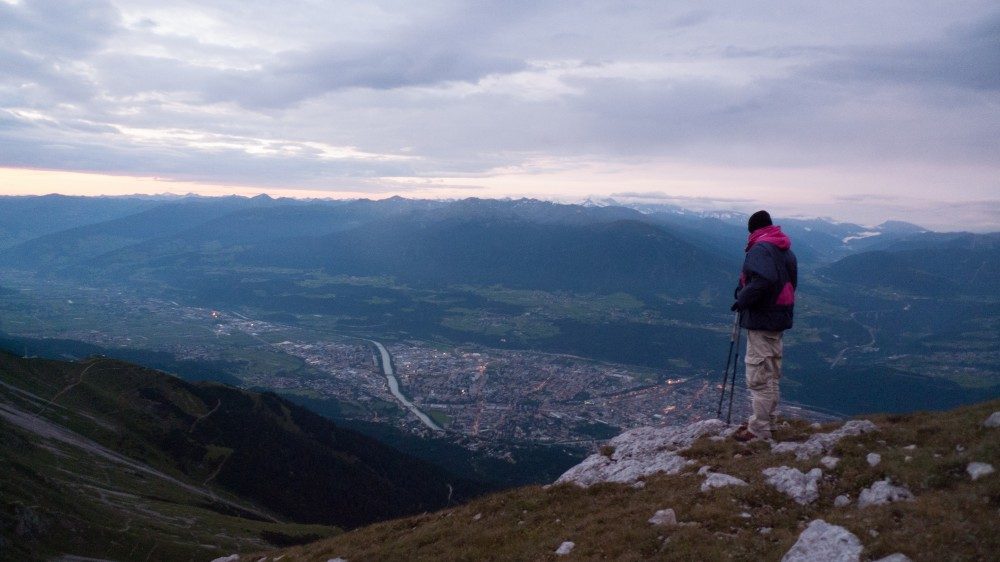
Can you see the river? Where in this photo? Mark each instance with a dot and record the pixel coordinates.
(390, 376)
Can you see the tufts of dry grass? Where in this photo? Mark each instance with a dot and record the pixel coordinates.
(953, 518)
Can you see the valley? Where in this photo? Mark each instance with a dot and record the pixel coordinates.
(491, 395)
(506, 321)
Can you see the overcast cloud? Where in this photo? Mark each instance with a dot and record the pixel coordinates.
(805, 107)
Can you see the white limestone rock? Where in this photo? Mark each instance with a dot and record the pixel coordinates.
(641, 452)
(829, 462)
(979, 469)
(898, 557)
(801, 487)
(639, 485)
(822, 541)
(883, 492)
(843, 500)
(720, 480)
(820, 443)
(993, 420)
(664, 517)
(873, 459)
(230, 558)
(565, 548)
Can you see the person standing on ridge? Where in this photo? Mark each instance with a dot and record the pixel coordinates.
(765, 299)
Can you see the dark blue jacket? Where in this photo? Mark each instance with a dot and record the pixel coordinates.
(766, 294)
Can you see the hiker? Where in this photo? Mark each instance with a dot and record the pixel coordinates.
(765, 298)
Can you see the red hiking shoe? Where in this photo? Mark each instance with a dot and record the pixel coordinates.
(744, 435)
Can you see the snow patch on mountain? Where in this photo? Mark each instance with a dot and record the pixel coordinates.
(861, 235)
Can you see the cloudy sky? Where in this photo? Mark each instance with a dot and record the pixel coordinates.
(856, 110)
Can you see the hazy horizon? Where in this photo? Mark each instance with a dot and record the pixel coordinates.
(642, 205)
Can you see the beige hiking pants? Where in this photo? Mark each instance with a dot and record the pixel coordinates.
(763, 362)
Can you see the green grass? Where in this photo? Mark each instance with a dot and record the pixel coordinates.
(441, 418)
(521, 327)
(563, 305)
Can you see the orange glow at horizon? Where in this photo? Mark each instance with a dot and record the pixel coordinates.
(793, 192)
(23, 181)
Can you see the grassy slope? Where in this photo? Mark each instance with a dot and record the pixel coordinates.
(107, 459)
(56, 498)
(952, 518)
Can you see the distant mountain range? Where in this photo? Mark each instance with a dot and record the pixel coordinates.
(521, 243)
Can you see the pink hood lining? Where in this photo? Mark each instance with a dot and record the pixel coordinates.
(770, 234)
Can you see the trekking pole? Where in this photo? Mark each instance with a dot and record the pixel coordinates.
(729, 358)
(736, 364)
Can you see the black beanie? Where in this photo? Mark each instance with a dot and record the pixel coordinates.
(760, 219)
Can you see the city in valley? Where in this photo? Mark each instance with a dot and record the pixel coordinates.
(481, 394)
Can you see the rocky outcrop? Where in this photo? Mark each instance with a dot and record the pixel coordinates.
(829, 462)
(565, 548)
(642, 452)
(883, 492)
(977, 470)
(821, 443)
(719, 480)
(822, 541)
(663, 517)
(801, 487)
(898, 557)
